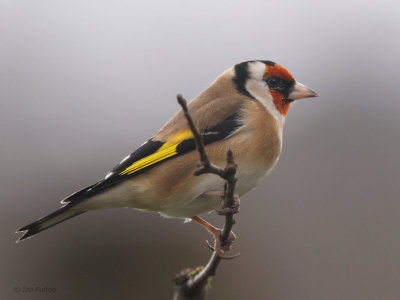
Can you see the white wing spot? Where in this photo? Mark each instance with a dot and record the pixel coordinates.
(125, 158)
(108, 175)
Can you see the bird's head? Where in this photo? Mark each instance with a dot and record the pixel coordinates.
(269, 83)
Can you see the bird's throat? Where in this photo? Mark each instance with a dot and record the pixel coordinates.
(281, 105)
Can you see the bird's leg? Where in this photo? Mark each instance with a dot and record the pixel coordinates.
(223, 210)
(216, 232)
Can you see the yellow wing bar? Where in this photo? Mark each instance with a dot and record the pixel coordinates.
(165, 151)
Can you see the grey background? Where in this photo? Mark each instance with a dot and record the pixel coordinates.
(83, 83)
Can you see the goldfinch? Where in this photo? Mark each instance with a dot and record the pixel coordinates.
(244, 110)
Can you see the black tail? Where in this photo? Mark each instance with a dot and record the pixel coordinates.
(61, 215)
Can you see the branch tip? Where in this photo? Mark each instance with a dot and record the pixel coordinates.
(182, 101)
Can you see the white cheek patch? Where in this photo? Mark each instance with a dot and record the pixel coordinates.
(259, 90)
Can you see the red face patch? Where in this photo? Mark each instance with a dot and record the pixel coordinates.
(280, 104)
(278, 71)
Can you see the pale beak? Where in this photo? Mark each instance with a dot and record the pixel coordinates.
(300, 91)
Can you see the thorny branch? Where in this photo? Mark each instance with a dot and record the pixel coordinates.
(193, 284)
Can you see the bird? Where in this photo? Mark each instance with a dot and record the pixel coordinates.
(243, 111)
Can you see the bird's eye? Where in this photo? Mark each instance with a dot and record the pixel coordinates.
(276, 84)
(272, 82)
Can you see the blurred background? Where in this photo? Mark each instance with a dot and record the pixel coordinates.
(84, 83)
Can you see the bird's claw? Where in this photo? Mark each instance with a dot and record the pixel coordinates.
(221, 249)
(231, 210)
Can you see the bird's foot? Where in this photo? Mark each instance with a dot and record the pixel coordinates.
(224, 210)
(229, 210)
(219, 247)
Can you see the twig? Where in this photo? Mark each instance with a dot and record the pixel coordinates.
(191, 284)
(205, 165)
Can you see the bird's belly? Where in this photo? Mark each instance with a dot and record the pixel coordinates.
(200, 203)
(249, 180)
(195, 202)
